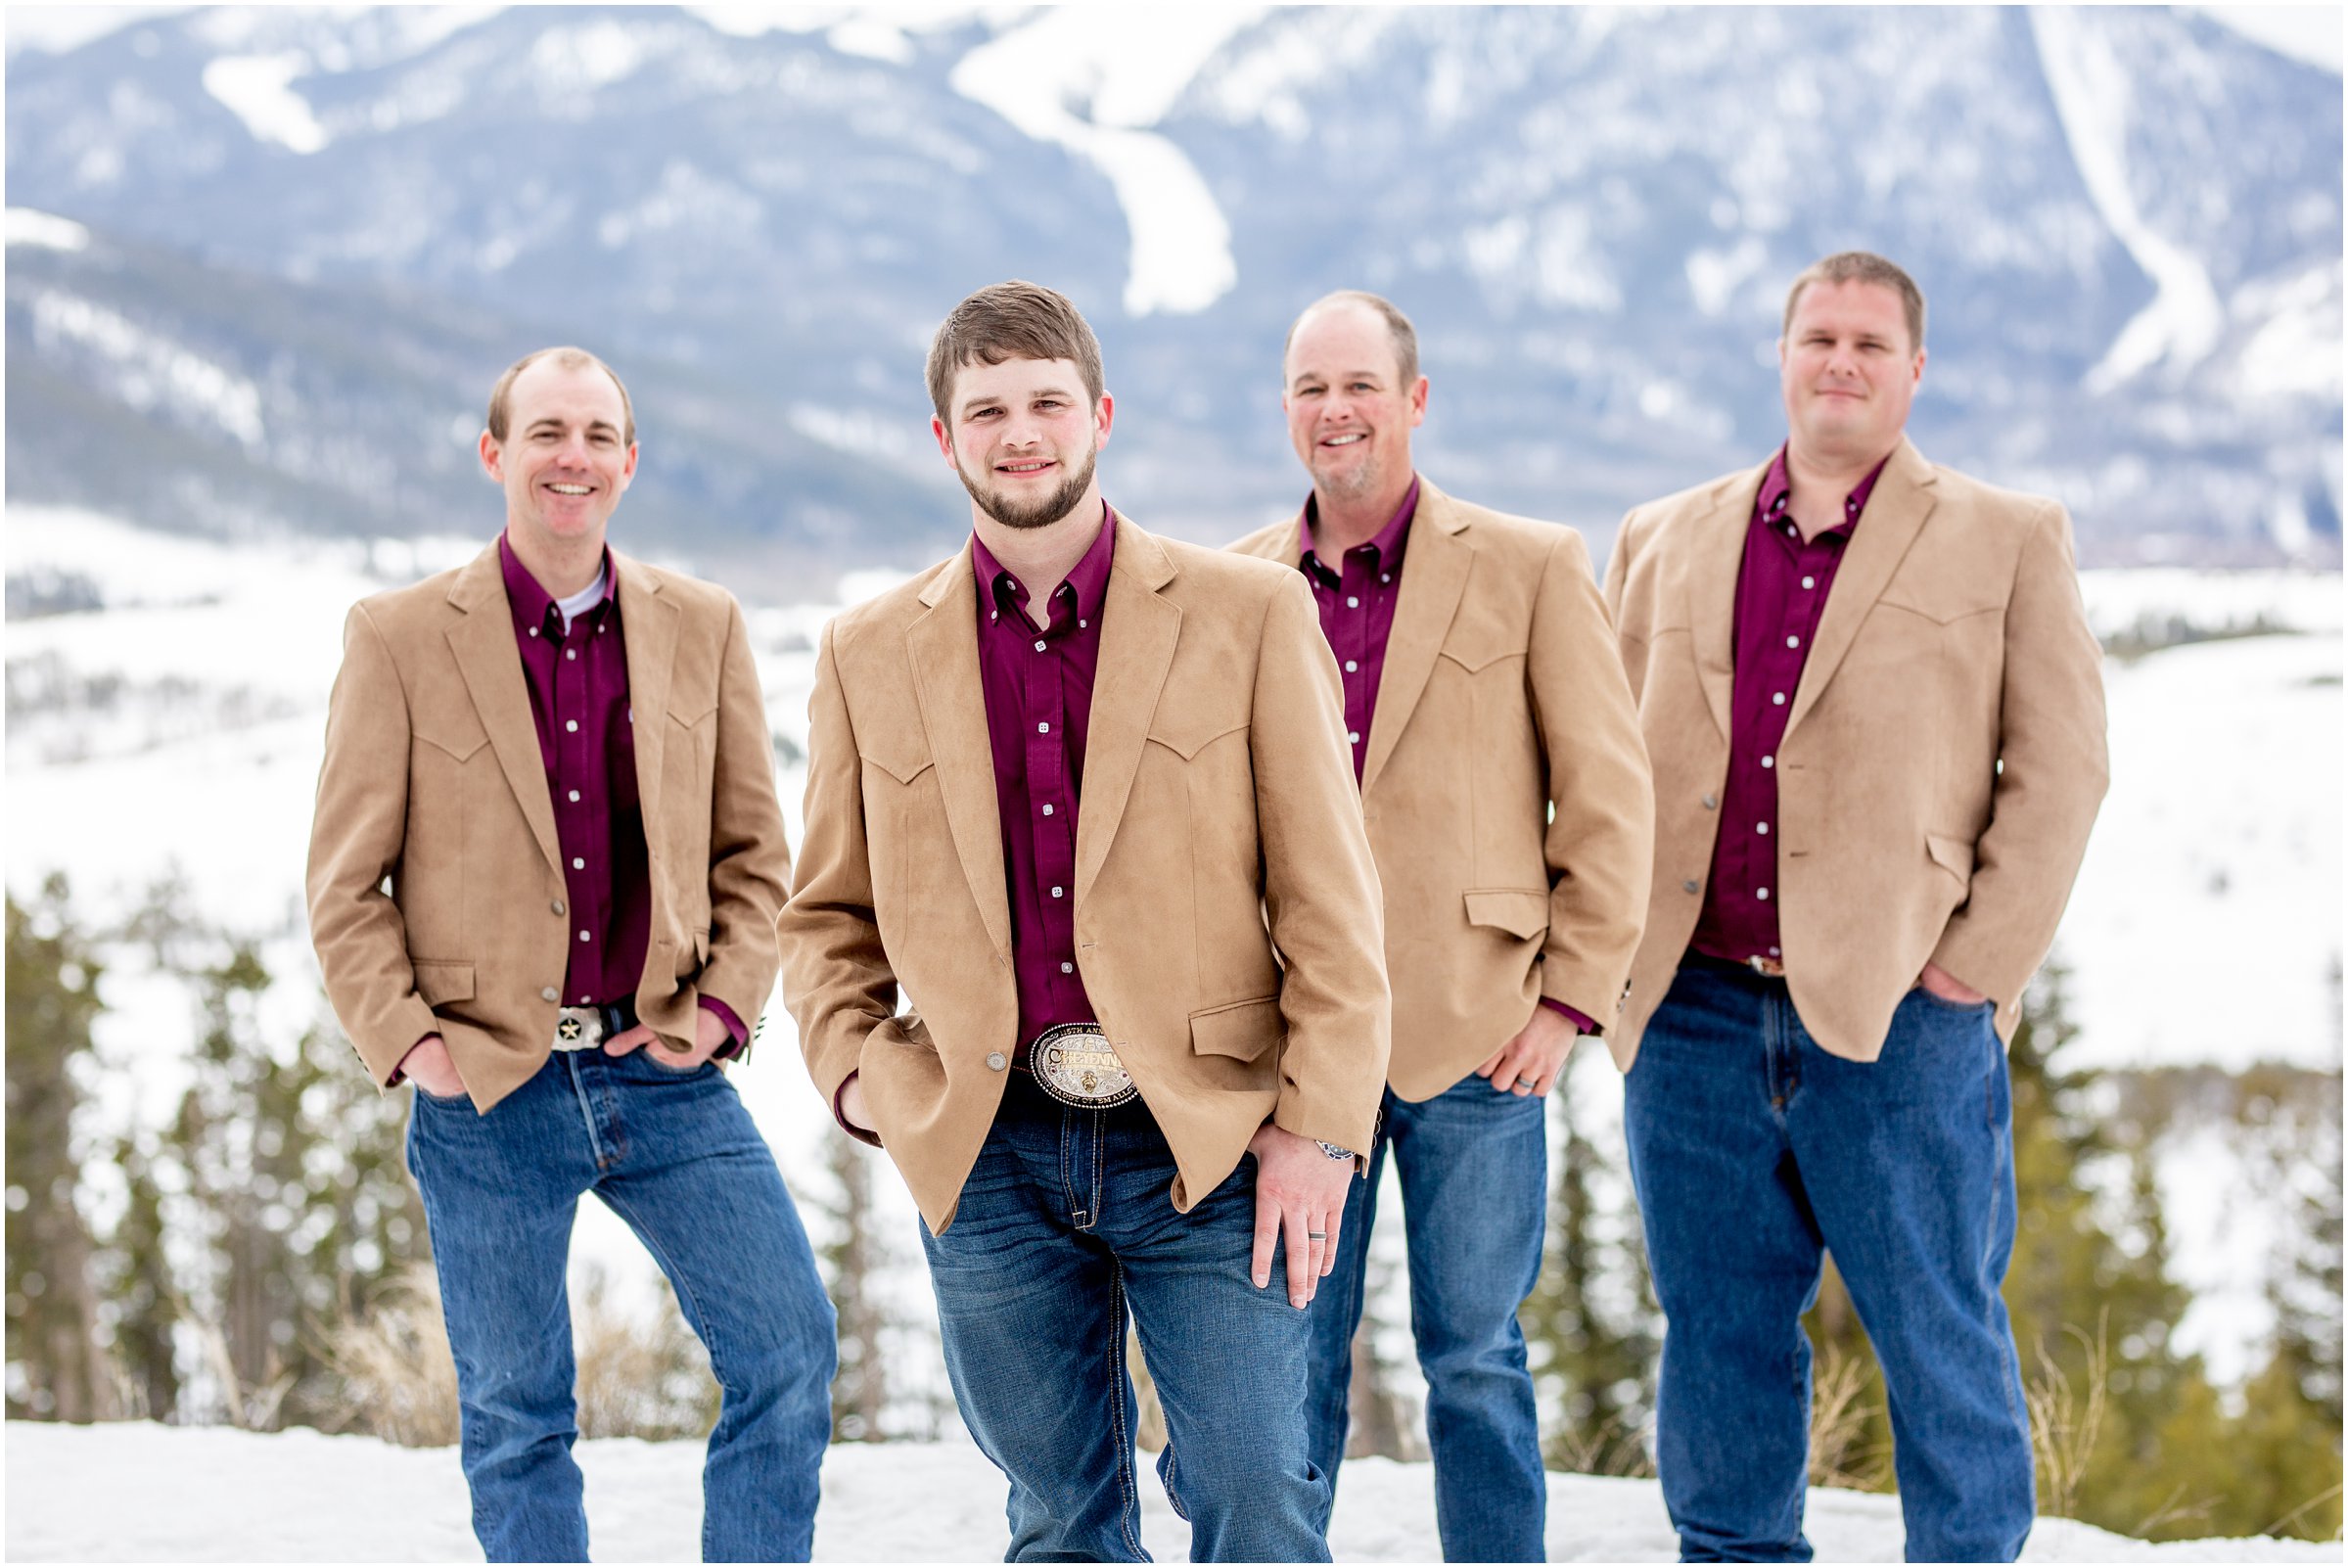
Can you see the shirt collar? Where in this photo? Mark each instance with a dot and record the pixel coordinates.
(1388, 542)
(1083, 589)
(534, 606)
(1777, 490)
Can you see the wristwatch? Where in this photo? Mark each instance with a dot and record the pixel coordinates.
(1333, 1151)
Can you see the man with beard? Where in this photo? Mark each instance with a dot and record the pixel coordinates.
(1876, 717)
(1506, 794)
(543, 880)
(1078, 799)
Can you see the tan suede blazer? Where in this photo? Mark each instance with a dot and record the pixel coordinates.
(1942, 765)
(1502, 697)
(432, 780)
(1226, 908)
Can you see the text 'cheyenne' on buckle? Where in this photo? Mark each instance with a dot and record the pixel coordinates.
(1076, 1065)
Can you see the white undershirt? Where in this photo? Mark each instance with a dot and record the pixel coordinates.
(586, 599)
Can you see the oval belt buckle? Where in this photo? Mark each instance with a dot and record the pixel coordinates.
(1076, 1065)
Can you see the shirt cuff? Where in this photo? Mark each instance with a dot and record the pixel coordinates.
(1573, 1015)
(739, 1036)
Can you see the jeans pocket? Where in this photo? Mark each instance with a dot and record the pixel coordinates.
(1983, 1006)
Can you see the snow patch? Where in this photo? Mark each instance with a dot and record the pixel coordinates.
(26, 226)
(1126, 66)
(2092, 99)
(259, 89)
(211, 1494)
(153, 371)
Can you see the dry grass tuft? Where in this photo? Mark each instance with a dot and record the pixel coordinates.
(396, 1378)
(2066, 1423)
(1839, 1415)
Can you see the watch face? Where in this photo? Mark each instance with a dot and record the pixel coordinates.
(1075, 1066)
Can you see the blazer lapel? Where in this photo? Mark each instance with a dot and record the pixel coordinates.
(1895, 514)
(1716, 558)
(942, 647)
(491, 666)
(1434, 571)
(1138, 631)
(648, 620)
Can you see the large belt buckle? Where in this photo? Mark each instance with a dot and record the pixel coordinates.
(578, 1028)
(1775, 968)
(1076, 1065)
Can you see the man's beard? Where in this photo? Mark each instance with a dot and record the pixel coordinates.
(1043, 514)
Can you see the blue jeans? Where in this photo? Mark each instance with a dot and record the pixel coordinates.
(1753, 1151)
(1064, 1223)
(676, 1155)
(1474, 1165)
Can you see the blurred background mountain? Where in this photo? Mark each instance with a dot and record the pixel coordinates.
(264, 264)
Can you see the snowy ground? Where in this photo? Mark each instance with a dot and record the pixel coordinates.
(209, 1495)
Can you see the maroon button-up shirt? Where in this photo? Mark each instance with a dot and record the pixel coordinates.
(1357, 602)
(1780, 595)
(1039, 694)
(578, 703)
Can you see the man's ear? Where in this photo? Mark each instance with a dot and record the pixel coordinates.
(1104, 414)
(492, 457)
(945, 442)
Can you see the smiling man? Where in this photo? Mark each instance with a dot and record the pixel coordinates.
(553, 919)
(1507, 795)
(1876, 722)
(1086, 935)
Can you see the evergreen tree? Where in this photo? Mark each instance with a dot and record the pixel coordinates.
(55, 1370)
(851, 1260)
(1591, 1322)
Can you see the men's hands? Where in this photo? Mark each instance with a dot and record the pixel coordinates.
(710, 1033)
(1300, 1195)
(851, 1102)
(1529, 1064)
(427, 1063)
(1948, 988)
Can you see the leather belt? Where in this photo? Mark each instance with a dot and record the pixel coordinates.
(583, 1029)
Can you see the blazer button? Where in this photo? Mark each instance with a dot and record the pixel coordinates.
(1689, 886)
(558, 907)
(550, 995)
(994, 1061)
(1712, 802)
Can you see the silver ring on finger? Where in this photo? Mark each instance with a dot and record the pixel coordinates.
(1317, 1235)
(1526, 1083)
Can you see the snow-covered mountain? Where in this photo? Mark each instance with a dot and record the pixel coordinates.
(312, 238)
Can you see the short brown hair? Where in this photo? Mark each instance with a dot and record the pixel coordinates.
(1862, 266)
(1405, 336)
(501, 395)
(1012, 320)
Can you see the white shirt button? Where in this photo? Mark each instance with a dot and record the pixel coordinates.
(1385, 576)
(583, 935)
(1793, 642)
(1810, 583)
(1774, 953)
(1352, 603)
(1352, 737)
(1778, 698)
(584, 999)
(571, 653)
(1047, 808)
(1081, 624)
(571, 725)
(1768, 762)
(1068, 969)
(534, 632)
(577, 864)
(1043, 729)
(574, 794)
(1760, 827)
(1055, 892)
(1763, 893)
(1040, 645)
(1350, 666)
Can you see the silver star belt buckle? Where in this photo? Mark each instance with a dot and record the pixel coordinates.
(1074, 1064)
(579, 1029)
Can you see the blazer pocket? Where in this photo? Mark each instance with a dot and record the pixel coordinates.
(691, 712)
(894, 755)
(440, 980)
(1243, 1030)
(1187, 735)
(1519, 911)
(1953, 855)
